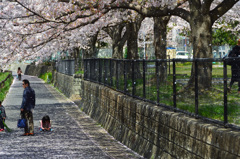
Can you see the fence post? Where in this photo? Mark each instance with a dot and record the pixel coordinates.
(94, 69)
(125, 77)
(225, 93)
(157, 76)
(65, 67)
(144, 78)
(99, 70)
(117, 63)
(105, 71)
(174, 85)
(90, 69)
(110, 69)
(72, 67)
(169, 64)
(133, 80)
(196, 88)
(85, 69)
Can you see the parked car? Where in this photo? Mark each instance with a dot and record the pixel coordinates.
(183, 55)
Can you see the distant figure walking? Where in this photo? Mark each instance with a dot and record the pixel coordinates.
(19, 73)
(2, 116)
(28, 104)
(235, 66)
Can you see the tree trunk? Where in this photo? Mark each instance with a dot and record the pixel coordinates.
(117, 49)
(160, 43)
(132, 45)
(160, 36)
(132, 42)
(91, 52)
(202, 39)
(118, 40)
(76, 53)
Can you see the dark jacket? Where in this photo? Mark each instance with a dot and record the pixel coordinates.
(28, 102)
(2, 112)
(235, 63)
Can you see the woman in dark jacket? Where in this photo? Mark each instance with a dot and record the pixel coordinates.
(235, 67)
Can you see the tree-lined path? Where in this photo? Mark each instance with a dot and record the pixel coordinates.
(74, 135)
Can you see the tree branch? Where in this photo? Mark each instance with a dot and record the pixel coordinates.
(222, 8)
(32, 11)
(206, 4)
(184, 14)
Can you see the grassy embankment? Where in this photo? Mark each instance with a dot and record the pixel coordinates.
(4, 90)
(47, 77)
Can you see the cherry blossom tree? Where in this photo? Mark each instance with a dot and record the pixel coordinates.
(33, 29)
(201, 15)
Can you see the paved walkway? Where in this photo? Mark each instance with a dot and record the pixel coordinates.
(75, 134)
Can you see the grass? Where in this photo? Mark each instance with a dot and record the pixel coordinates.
(47, 77)
(79, 72)
(3, 75)
(4, 90)
(211, 102)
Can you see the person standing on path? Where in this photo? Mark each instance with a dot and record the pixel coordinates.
(19, 73)
(28, 104)
(235, 67)
(2, 116)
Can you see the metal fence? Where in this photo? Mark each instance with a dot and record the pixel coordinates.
(164, 82)
(66, 67)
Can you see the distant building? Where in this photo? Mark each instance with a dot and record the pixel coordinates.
(220, 51)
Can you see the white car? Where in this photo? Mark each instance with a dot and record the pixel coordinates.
(182, 55)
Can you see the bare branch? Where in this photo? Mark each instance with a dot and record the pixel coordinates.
(206, 6)
(222, 8)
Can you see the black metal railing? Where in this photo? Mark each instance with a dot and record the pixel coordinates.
(165, 82)
(66, 67)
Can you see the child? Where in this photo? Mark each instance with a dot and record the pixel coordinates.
(45, 124)
(2, 116)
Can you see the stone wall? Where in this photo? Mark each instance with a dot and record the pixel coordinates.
(70, 86)
(150, 130)
(37, 70)
(33, 70)
(155, 132)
